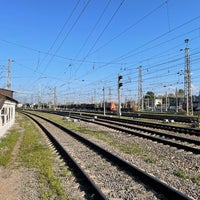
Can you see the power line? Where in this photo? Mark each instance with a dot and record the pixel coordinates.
(128, 28)
(147, 43)
(160, 36)
(102, 32)
(93, 29)
(62, 29)
(67, 34)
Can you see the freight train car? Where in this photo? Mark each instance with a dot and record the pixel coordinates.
(109, 106)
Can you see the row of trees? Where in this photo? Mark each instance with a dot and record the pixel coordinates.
(151, 95)
(167, 99)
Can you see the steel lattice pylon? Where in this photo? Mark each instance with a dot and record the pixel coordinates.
(187, 81)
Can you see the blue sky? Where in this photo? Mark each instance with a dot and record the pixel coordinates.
(80, 46)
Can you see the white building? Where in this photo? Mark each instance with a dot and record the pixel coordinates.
(7, 110)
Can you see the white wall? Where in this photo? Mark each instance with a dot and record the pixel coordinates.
(7, 116)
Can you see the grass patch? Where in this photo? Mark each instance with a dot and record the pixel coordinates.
(196, 180)
(36, 155)
(7, 144)
(180, 173)
(130, 148)
(149, 160)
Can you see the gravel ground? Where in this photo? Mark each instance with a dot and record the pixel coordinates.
(17, 183)
(21, 184)
(166, 160)
(115, 183)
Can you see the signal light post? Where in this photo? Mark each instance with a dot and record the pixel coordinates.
(104, 102)
(120, 84)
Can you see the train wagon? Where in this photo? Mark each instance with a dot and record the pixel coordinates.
(112, 106)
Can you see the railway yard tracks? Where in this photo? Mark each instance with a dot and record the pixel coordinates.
(185, 140)
(112, 176)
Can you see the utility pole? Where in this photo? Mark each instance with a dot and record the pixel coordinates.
(140, 96)
(120, 84)
(55, 99)
(8, 82)
(110, 95)
(32, 102)
(95, 94)
(166, 103)
(104, 102)
(39, 97)
(177, 101)
(187, 81)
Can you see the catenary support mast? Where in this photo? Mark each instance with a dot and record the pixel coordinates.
(140, 96)
(8, 81)
(187, 81)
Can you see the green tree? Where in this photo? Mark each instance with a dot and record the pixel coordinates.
(149, 99)
(180, 93)
(149, 95)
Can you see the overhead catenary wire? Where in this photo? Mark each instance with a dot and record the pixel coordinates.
(68, 33)
(154, 57)
(102, 32)
(196, 53)
(160, 36)
(61, 31)
(119, 59)
(103, 62)
(128, 28)
(94, 27)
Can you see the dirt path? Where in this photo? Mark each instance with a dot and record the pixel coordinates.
(10, 181)
(17, 183)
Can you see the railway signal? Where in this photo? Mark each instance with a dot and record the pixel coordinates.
(120, 84)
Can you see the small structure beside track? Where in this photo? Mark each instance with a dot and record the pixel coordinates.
(7, 110)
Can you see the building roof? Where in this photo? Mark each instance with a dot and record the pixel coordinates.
(3, 98)
(6, 92)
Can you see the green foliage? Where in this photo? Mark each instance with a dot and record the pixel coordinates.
(6, 146)
(180, 173)
(149, 159)
(149, 95)
(36, 155)
(130, 148)
(196, 180)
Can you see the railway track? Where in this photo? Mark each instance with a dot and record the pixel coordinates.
(189, 131)
(110, 175)
(136, 121)
(172, 139)
(177, 118)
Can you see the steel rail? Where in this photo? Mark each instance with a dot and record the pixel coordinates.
(159, 116)
(156, 184)
(190, 131)
(160, 140)
(66, 156)
(171, 136)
